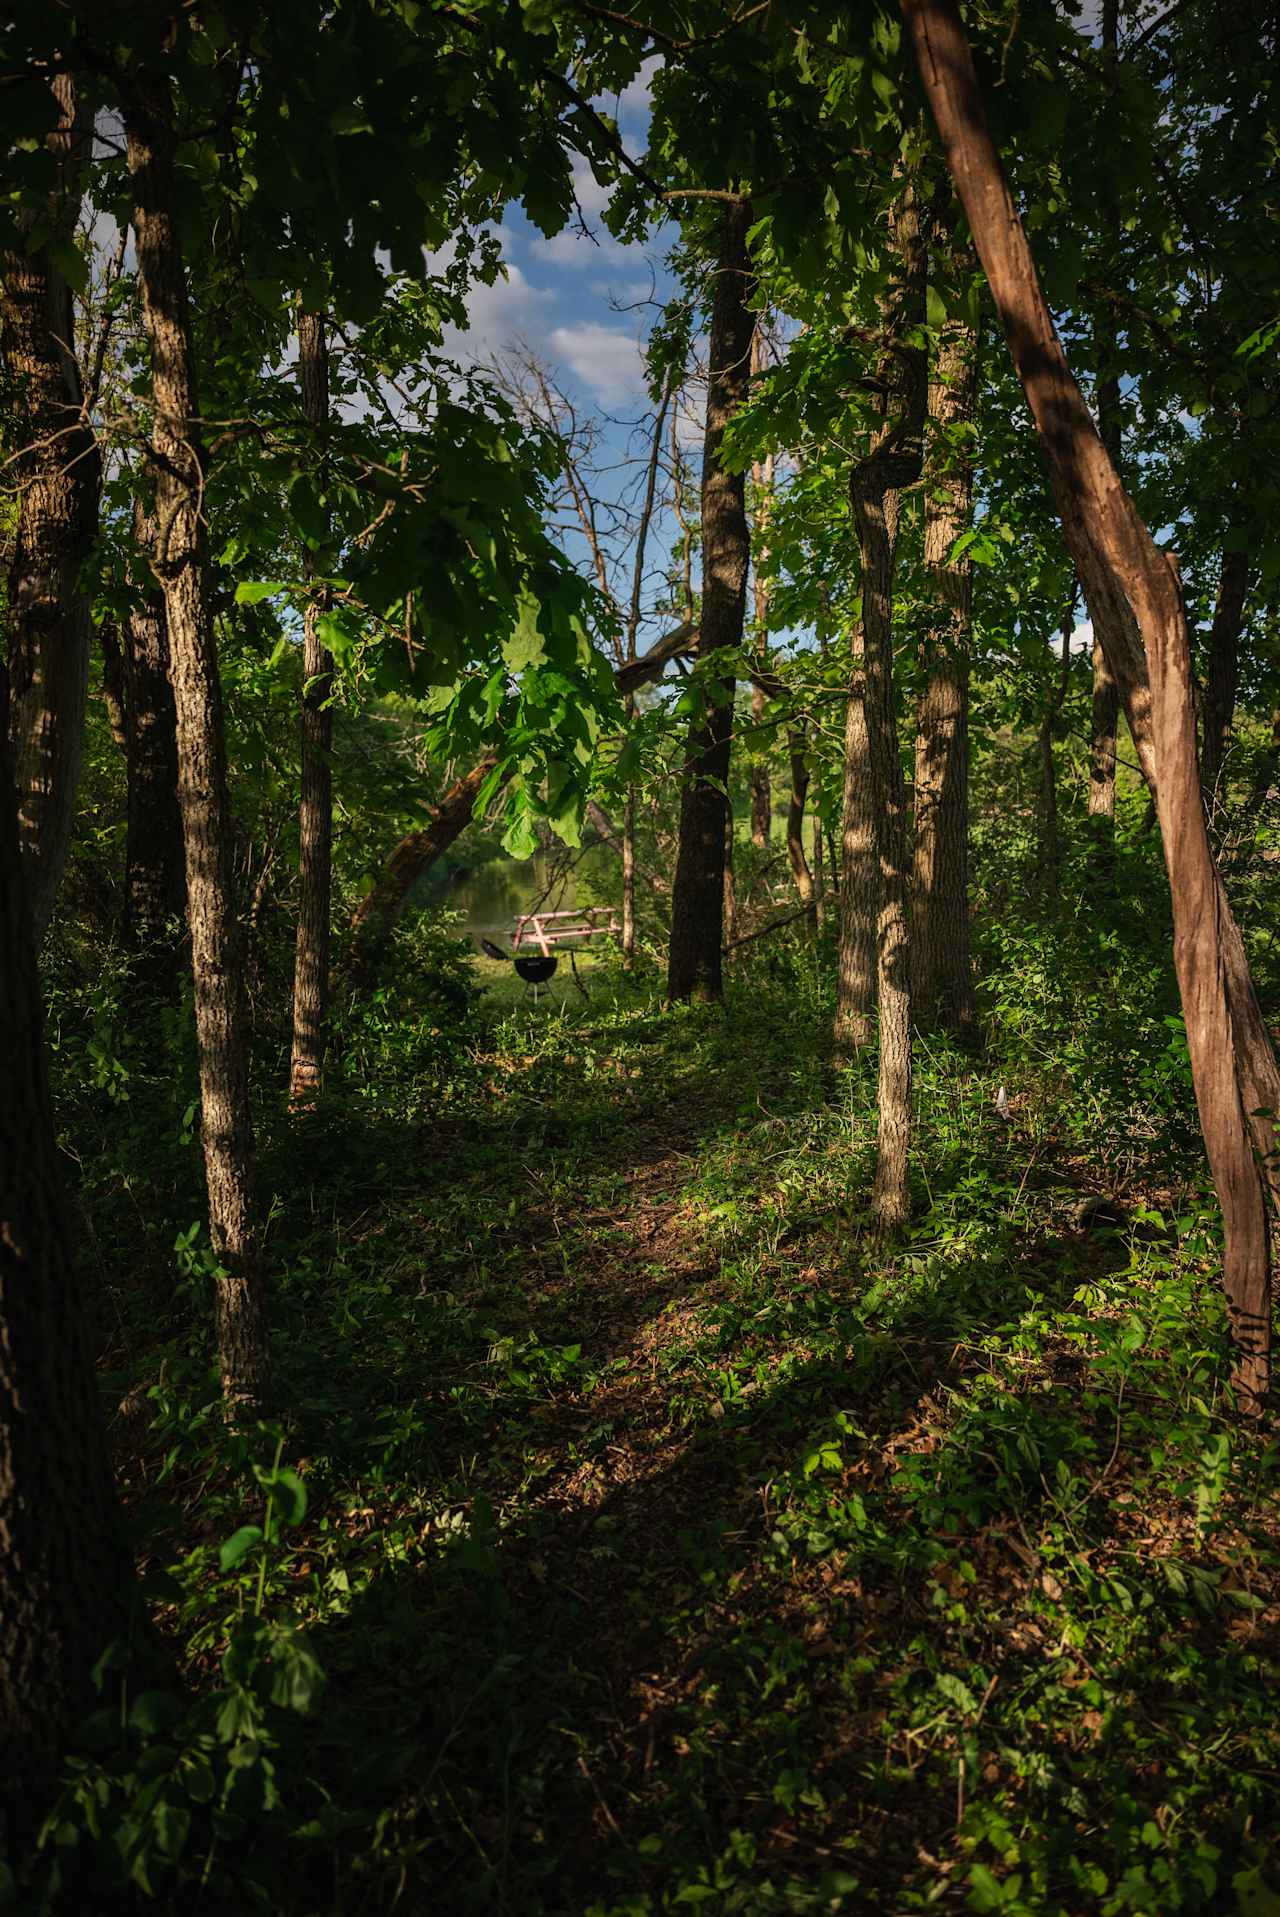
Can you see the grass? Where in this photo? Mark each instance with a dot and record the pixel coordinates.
(644, 1536)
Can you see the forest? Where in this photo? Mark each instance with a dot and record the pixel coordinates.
(639, 854)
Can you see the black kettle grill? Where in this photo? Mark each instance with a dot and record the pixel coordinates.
(535, 968)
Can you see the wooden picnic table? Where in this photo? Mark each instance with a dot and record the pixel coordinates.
(549, 929)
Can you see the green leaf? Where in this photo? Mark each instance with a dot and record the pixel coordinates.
(250, 591)
(935, 307)
(238, 1544)
(154, 1712)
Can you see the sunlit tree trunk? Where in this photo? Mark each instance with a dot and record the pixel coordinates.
(1135, 600)
(697, 896)
(1105, 711)
(859, 869)
(66, 1578)
(315, 807)
(875, 489)
(182, 563)
(57, 473)
(942, 977)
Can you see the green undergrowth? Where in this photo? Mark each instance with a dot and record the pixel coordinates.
(637, 1532)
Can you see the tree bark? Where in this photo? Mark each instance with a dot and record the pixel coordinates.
(629, 866)
(154, 881)
(819, 877)
(182, 565)
(796, 854)
(1106, 697)
(942, 974)
(1221, 678)
(315, 805)
(58, 474)
(1049, 850)
(66, 1579)
(859, 875)
(697, 894)
(762, 486)
(1135, 599)
(894, 460)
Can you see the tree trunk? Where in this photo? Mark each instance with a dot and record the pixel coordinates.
(1135, 599)
(730, 890)
(66, 1579)
(894, 461)
(697, 893)
(182, 565)
(761, 791)
(1219, 704)
(1106, 697)
(798, 857)
(819, 878)
(154, 881)
(58, 474)
(315, 806)
(859, 874)
(1049, 850)
(762, 490)
(942, 975)
(629, 866)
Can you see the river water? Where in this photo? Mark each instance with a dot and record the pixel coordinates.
(493, 895)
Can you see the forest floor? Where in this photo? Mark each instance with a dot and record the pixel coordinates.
(670, 1543)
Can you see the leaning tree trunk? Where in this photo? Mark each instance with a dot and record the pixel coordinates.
(182, 565)
(66, 1579)
(697, 893)
(1222, 676)
(942, 975)
(1135, 599)
(315, 806)
(893, 461)
(378, 913)
(58, 474)
(154, 880)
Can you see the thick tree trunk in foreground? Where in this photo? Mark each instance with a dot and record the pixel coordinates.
(859, 874)
(875, 487)
(66, 1579)
(1135, 600)
(941, 972)
(58, 474)
(697, 893)
(1221, 678)
(315, 805)
(154, 878)
(182, 564)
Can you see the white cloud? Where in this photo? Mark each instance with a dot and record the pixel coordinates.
(496, 314)
(1082, 637)
(602, 357)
